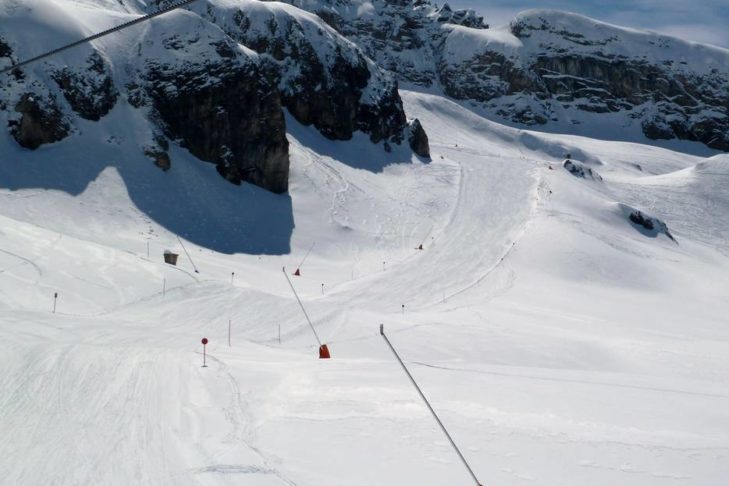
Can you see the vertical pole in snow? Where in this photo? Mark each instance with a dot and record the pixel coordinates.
(55, 299)
(188, 255)
(232, 277)
(302, 307)
(279, 333)
(229, 325)
(403, 309)
(147, 248)
(383, 266)
(164, 286)
(435, 416)
(322, 289)
(205, 345)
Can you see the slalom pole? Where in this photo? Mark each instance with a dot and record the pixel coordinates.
(188, 255)
(298, 269)
(323, 350)
(435, 416)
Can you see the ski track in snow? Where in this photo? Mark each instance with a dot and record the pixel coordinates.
(558, 343)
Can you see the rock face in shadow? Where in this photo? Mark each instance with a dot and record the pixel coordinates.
(324, 80)
(235, 122)
(41, 122)
(418, 139)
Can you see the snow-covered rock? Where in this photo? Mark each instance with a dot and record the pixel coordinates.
(213, 80)
(546, 67)
(559, 67)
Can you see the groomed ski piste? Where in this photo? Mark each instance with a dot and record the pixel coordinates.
(570, 327)
(560, 342)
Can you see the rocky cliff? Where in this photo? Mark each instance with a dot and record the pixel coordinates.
(214, 80)
(546, 67)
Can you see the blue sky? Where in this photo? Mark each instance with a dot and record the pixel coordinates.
(697, 20)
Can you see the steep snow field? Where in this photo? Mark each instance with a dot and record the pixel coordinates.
(561, 343)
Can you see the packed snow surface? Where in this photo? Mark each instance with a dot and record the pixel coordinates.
(559, 343)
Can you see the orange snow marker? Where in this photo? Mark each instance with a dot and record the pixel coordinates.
(324, 352)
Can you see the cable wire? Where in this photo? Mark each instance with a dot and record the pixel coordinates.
(125, 25)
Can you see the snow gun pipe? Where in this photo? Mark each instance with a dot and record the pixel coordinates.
(302, 307)
(307, 255)
(188, 255)
(435, 416)
(99, 35)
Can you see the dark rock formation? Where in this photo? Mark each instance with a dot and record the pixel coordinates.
(648, 225)
(5, 50)
(466, 18)
(90, 92)
(570, 62)
(580, 170)
(418, 139)
(402, 36)
(324, 80)
(41, 122)
(235, 121)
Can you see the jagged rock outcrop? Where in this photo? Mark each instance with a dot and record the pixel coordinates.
(418, 139)
(220, 106)
(324, 80)
(5, 49)
(546, 67)
(90, 91)
(402, 36)
(559, 67)
(648, 225)
(581, 171)
(41, 121)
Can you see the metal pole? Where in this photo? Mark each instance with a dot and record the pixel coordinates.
(205, 355)
(229, 324)
(232, 277)
(188, 255)
(55, 299)
(164, 286)
(279, 333)
(147, 248)
(435, 416)
(302, 306)
(307, 255)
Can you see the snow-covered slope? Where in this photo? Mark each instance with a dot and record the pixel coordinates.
(566, 315)
(561, 342)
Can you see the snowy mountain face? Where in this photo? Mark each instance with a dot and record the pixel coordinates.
(562, 300)
(218, 93)
(547, 68)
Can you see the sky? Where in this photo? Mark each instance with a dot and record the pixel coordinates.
(697, 20)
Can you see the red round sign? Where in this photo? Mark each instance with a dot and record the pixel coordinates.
(204, 340)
